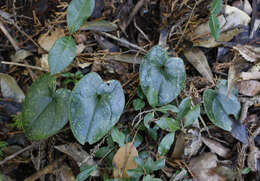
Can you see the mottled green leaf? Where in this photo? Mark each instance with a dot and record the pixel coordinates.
(45, 110)
(161, 77)
(118, 137)
(166, 143)
(169, 107)
(184, 108)
(85, 172)
(168, 123)
(192, 115)
(138, 104)
(78, 12)
(95, 107)
(149, 178)
(61, 54)
(219, 106)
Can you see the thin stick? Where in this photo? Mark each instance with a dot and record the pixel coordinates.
(18, 153)
(186, 26)
(7, 34)
(124, 42)
(24, 65)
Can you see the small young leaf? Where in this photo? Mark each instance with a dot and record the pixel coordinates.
(138, 104)
(168, 123)
(140, 92)
(165, 144)
(85, 172)
(168, 107)
(61, 54)
(147, 118)
(149, 165)
(118, 136)
(95, 107)
(215, 7)
(184, 108)
(218, 106)
(45, 110)
(214, 26)
(246, 170)
(192, 116)
(149, 178)
(213, 19)
(78, 12)
(161, 77)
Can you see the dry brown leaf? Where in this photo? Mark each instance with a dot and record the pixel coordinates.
(232, 78)
(253, 157)
(65, 174)
(203, 166)
(124, 160)
(44, 61)
(197, 58)
(216, 147)
(10, 89)
(46, 41)
(80, 48)
(249, 87)
(250, 53)
(20, 55)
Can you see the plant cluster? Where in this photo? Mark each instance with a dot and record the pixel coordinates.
(94, 107)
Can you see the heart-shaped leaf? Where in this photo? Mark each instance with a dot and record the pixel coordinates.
(45, 110)
(61, 54)
(219, 106)
(161, 77)
(78, 12)
(95, 107)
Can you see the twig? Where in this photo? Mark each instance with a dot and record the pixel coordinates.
(18, 153)
(141, 31)
(186, 26)
(49, 169)
(24, 65)
(247, 102)
(7, 34)
(132, 14)
(124, 43)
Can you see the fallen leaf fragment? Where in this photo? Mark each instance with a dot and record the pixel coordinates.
(20, 55)
(124, 160)
(250, 53)
(47, 40)
(79, 155)
(203, 166)
(248, 87)
(216, 147)
(80, 48)
(197, 58)
(101, 25)
(250, 75)
(253, 158)
(44, 61)
(65, 174)
(228, 26)
(10, 89)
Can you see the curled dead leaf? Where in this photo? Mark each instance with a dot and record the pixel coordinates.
(47, 40)
(124, 160)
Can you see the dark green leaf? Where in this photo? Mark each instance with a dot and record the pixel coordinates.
(149, 178)
(192, 115)
(135, 173)
(61, 54)
(101, 25)
(85, 172)
(101, 152)
(168, 123)
(246, 170)
(168, 107)
(78, 12)
(166, 144)
(218, 106)
(151, 166)
(45, 110)
(147, 118)
(216, 6)
(184, 108)
(140, 92)
(138, 104)
(161, 77)
(214, 26)
(95, 107)
(138, 140)
(118, 136)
